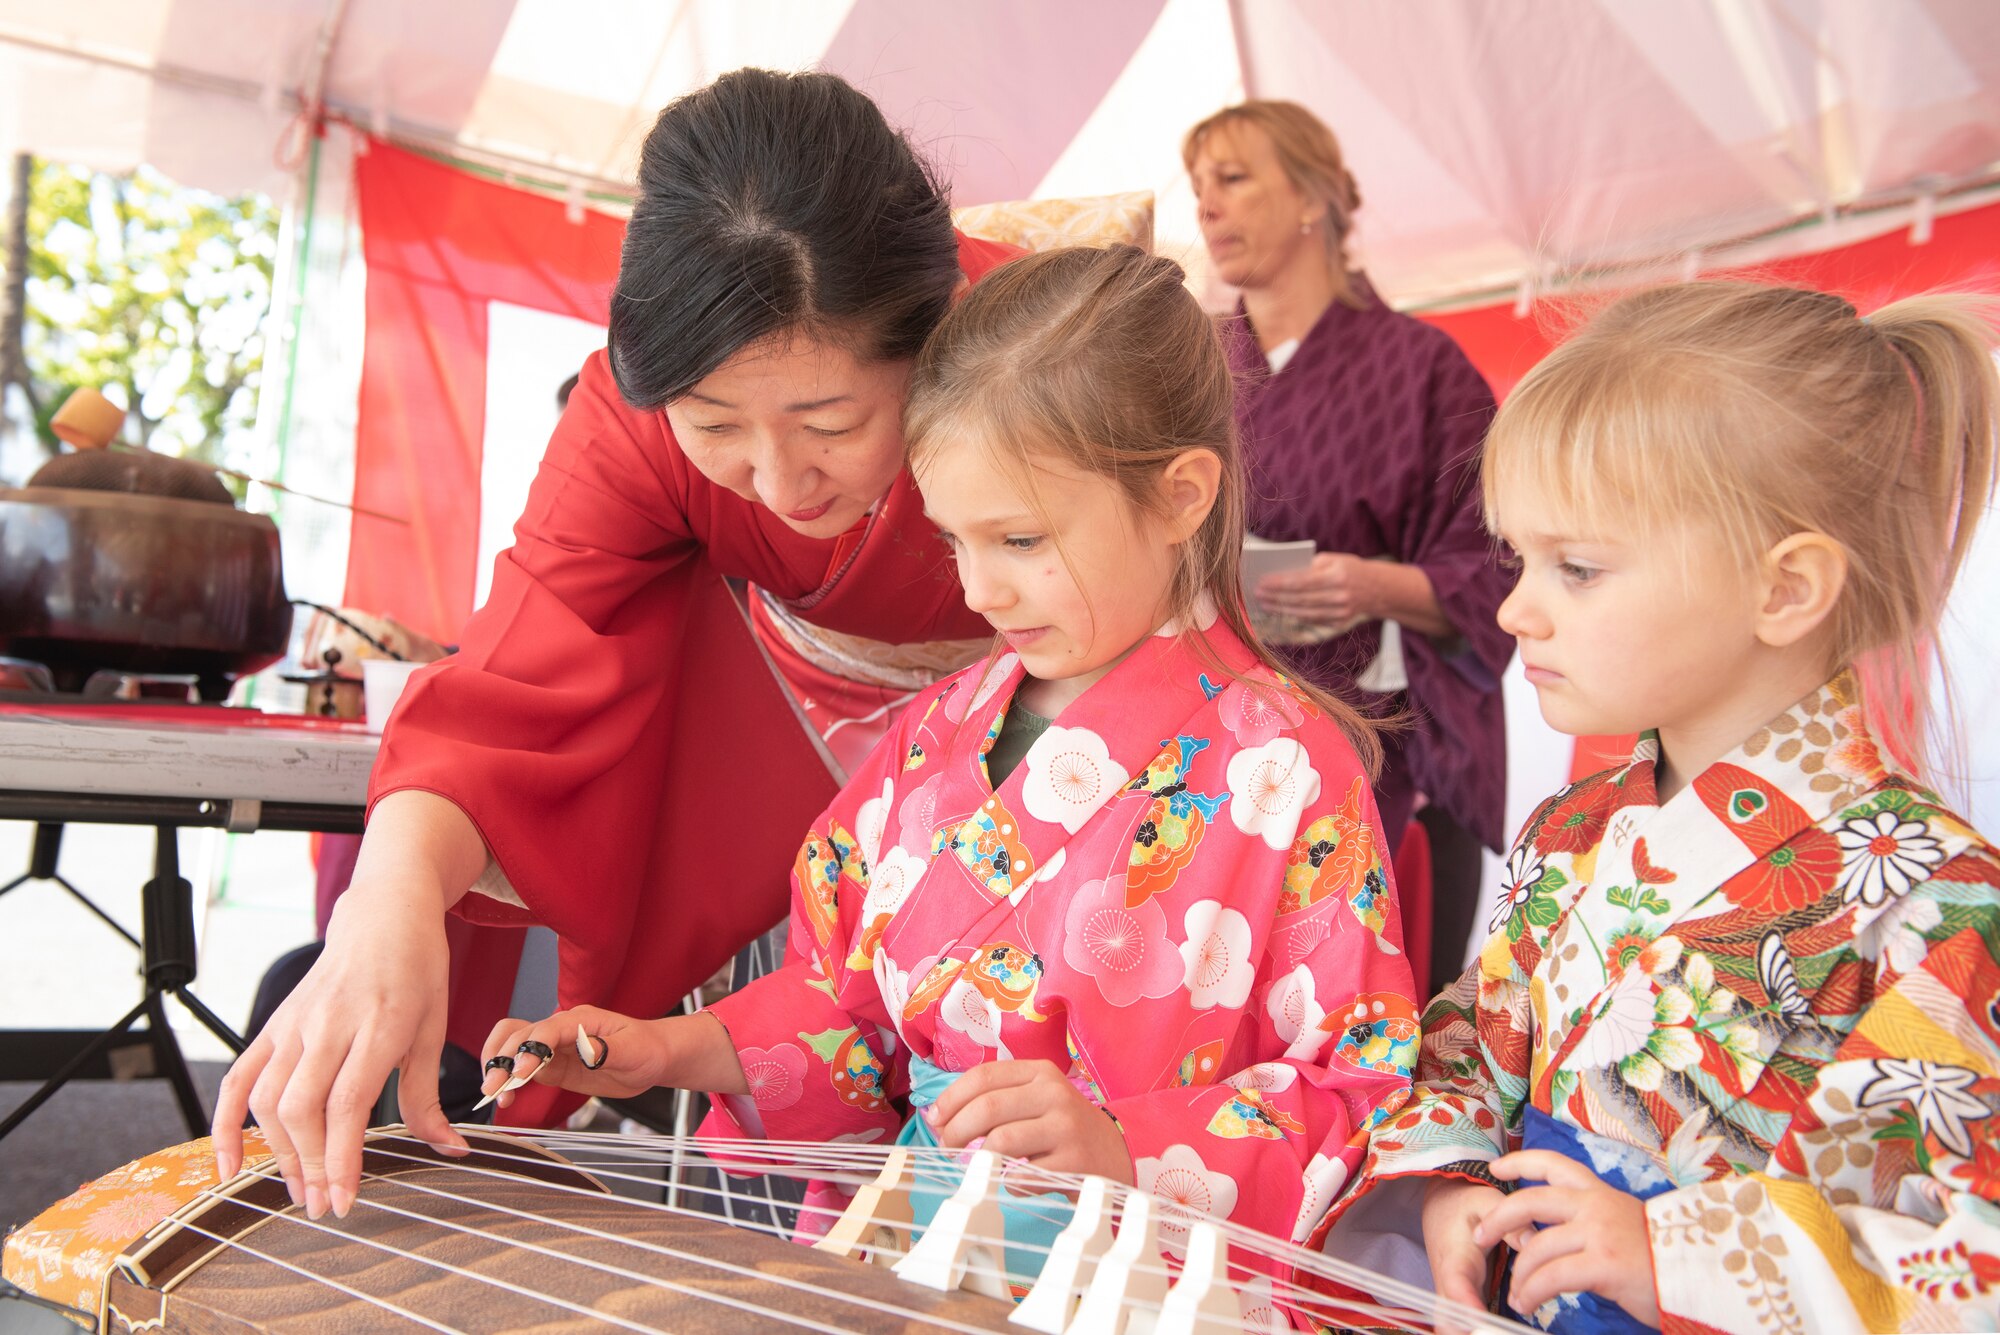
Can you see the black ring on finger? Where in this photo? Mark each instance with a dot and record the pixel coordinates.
(539, 1051)
(502, 1063)
(603, 1055)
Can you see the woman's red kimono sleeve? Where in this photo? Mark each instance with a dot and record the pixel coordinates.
(610, 725)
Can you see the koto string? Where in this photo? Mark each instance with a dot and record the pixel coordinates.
(853, 1164)
(678, 1212)
(605, 1267)
(1408, 1298)
(303, 1273)
(1240, 1237)
(656, 1249)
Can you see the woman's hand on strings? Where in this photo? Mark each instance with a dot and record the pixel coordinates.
(374, 1001)
(1593, 1237)
(1453, 1209)
(624, 1056)
(1030, 1110)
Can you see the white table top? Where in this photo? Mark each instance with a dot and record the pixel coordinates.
(269, 762)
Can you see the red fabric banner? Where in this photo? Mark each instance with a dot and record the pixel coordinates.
(440, 244)
(1963, 254)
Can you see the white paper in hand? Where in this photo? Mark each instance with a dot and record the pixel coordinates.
(1263, 557)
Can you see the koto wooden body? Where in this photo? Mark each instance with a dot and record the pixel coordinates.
(442, 1244)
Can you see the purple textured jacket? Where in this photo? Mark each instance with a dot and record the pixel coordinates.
(1368, 442)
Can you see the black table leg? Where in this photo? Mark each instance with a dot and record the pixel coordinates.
(168, 917)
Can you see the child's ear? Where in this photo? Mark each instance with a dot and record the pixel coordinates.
(1189, 485)
(1802, 577)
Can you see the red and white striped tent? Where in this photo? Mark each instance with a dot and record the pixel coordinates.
(1506, 150)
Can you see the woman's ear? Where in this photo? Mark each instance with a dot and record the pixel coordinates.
(1188, 486)
(1802, 577)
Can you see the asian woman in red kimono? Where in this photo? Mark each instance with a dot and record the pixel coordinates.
(1125, 867)
(585, 755)
(1361, 428)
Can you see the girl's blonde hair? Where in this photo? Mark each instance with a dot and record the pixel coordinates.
(1103, 359)
(1313, 162)
(1766, 411)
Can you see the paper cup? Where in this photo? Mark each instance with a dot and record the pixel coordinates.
(382, 683)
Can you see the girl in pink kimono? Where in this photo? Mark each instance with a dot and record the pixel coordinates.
(1112, 901)
(1733, 1047)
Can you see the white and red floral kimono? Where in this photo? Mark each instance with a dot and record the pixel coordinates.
(1177, 896)
(1769, 1007)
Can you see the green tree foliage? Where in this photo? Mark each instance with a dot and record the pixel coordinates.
(153, 294)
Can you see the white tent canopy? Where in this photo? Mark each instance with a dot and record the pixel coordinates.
(1496, 141)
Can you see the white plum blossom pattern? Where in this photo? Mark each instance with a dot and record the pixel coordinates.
(1296, 1014)
(976, 1016)
(1260, 1308)
(1071, 775)
(890, 883)
(1255, 712)
(776, 1075)
(1265, 1077)
(1323, 1180)
(872, 820)
(1124, 949)
(1188, 1190)
(895, 984)
(1941, 1095)
(1883, 855)
(1270, 786)
(916, 815)
(1217, 955)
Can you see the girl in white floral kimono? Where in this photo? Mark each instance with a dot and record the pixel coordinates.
(1115, 900)
(1732, 1052)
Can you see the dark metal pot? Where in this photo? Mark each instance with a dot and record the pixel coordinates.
(145, 584)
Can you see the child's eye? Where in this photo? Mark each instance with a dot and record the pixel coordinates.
(1577, 574)
(948, 539)
(1507, 559)
(1024, 544)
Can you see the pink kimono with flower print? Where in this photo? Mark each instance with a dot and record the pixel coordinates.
(1177, 897)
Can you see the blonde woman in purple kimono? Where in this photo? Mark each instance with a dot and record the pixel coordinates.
(1361, 431)
(1114, 901)
(1733, 1046)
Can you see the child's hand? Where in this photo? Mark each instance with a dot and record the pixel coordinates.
(1029, 1110)
(1595, 1240)
(1453, 1209)
(629, 1056)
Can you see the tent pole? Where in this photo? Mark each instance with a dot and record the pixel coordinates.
(1252, 86)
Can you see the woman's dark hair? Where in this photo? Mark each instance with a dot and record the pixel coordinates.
(770, 203)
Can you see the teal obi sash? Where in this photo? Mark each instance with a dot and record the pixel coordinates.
(1031, 1222)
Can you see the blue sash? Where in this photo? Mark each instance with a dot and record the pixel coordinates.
(1625, 1167)
(1031, 1222)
